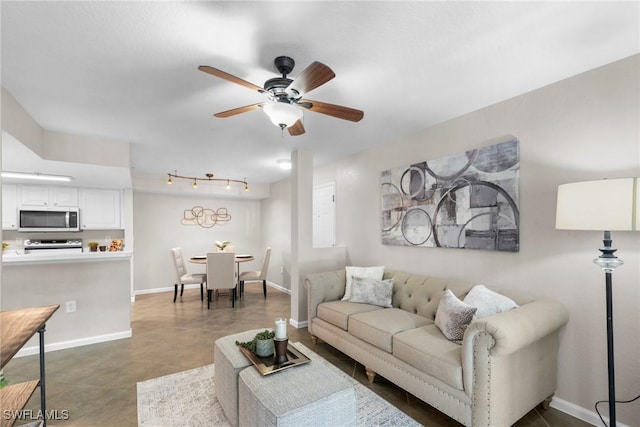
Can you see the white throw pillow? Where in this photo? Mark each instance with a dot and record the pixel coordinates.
(488, 302)
(372, 291)
(368, 272)
(453, 316)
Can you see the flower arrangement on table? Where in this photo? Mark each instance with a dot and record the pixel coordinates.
(221, 245)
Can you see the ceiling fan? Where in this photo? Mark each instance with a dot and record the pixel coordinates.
(285, 102)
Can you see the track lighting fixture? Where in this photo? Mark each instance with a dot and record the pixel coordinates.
(208, 178)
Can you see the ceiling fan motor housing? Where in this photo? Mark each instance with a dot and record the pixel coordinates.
(284, 65)
(277, 87)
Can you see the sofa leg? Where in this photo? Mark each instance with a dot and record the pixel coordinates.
(370, 375)
(546, 404)
(314, 339)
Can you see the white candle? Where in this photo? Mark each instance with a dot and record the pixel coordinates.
(281, 328)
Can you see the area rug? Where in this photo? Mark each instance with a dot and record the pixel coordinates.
(189, 399)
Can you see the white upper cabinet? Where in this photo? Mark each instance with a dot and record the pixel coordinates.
(100, 209)
(40, 195)
(9, 207)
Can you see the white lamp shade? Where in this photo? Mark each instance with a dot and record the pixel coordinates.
(282, 113)
(605, 205)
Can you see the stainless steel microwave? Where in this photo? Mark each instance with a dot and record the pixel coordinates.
(33, 218)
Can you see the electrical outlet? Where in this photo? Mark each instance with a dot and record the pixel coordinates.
(282, 269)
(71, 306)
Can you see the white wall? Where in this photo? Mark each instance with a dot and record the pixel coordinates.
(582, 128)
(276, 231)
(157, 226)
(100, 289)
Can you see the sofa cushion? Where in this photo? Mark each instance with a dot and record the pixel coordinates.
(378, 327)
(372, 291)
(337, 312)
(351, 271)
(427, 350)
(453, 316)
(488, 302)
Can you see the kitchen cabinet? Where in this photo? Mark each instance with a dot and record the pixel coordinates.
(40, 195)
(16, 328)
(100, 209)
(9, 207)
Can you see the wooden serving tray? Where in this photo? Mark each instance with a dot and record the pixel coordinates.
(266, 365)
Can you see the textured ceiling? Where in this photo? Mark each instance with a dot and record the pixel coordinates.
(128, 70)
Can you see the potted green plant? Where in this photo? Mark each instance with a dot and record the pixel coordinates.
(221, 245)
(261, 344)
(93, 246)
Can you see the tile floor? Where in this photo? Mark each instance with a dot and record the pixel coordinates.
(96, 383)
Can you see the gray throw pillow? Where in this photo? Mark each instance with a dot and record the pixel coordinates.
(371, 291)
(453, 316)
(371, 272)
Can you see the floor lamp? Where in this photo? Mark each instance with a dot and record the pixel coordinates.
(604, 205)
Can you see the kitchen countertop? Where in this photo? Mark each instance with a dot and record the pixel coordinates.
(10, 257)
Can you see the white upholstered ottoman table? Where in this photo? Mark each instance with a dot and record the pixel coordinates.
(313, 394)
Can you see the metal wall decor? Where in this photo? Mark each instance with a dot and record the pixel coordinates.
(467, 201)
(205, 217)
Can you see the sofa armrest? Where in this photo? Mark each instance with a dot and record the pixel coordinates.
(506, 333)
(321, 287)
(515, 329)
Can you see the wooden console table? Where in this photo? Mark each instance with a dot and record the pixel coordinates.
(16, 328)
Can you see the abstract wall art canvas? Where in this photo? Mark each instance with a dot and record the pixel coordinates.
(467, 201)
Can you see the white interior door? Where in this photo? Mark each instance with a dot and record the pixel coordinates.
(324, 215)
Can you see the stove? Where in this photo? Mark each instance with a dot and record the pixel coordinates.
(57, 246)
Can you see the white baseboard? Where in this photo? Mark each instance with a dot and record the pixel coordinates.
(297, 324)
(581, 413)
(278, 287)
(28, 351)
(165, 289)
(196, 286)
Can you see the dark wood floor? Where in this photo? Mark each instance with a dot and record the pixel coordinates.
(96, 383)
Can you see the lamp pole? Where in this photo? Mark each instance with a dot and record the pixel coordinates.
(608, 262)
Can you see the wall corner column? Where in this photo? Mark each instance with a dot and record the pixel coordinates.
(301, 230)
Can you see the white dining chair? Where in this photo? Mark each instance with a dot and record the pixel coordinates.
(183, 277)
(221, 274)
(257, 275)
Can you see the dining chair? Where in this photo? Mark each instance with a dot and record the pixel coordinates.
(183, 277)
(257, 275)
(221, 274)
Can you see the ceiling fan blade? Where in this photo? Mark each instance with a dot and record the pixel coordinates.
(229, 77)
(338, 111)
(313, 76)
(238, 110)
(296, 129)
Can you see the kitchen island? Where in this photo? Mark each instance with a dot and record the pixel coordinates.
(93, 290)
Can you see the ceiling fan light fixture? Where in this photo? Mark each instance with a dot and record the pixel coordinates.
(282, 114)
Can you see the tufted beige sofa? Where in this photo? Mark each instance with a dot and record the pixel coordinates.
(506, 365)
